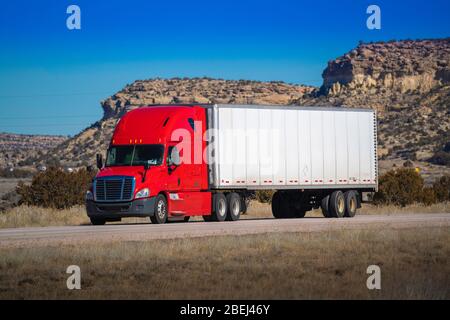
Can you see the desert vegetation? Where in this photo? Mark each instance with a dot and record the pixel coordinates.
(268, 266)
(405, 186)
(56, 188)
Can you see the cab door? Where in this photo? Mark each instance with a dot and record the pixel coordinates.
(173, 171)
(174, 175)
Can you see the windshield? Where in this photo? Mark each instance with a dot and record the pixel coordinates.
(135, 155)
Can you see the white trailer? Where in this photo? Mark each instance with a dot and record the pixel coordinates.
(329, 154)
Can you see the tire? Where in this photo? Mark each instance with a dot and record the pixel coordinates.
(299, 213)
(220, 207)
(281, 208)
(295, 208)
(276, 205)
(97, 221)
(160, 212)
(325, 206)
(337, 204)
(351, 203)
(186, 218)
(234, 204)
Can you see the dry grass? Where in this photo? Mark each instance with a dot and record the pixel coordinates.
(443, 207)
(26, 216)
(414, 265)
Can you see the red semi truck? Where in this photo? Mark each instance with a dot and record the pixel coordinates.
(171, 162)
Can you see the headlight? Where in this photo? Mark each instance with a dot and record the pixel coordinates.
(143, 193)
(89, 195)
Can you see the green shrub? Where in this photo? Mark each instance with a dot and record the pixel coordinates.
(400, 187)
(428, 196)
(56, 188)
(264, 196)
(441, 188)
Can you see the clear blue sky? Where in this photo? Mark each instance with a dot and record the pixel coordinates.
(52, 79)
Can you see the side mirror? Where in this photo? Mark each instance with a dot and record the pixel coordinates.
(175, 157)
(147, 165)
(99, 161)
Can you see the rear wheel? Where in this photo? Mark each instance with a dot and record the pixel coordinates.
(234, 206)
(160, 212)
(299, 213)
(281, 208)
(220, 208)
(325, 206)
(98, 221)
(337, 204)
(277, 209)
(351, 204)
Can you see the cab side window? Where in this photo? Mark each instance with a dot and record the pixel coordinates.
(169, 155)
(191, 123)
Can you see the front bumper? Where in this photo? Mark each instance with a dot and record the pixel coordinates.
(113, 210)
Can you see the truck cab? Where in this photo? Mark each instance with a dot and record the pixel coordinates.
(142, 175)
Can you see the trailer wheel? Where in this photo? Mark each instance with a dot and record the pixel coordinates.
(280, 206)
(337, 204)
(299, 213)
(276, 205)
(325, 206)
(98, 221)
(234, 206)
(160, 213)
(351, 204)
(220, 207)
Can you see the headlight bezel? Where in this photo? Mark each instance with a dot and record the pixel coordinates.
(89, 196)
(143, 193)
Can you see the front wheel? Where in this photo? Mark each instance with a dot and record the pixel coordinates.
(160, 212)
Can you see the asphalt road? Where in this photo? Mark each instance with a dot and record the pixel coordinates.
(138, 232)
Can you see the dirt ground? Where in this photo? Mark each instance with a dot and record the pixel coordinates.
(414, 264)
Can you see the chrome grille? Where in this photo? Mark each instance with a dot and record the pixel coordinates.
(114, 189)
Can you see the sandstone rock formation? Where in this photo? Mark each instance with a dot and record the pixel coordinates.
(406, 81)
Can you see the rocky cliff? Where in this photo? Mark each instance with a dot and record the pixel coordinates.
(378, 74)
(408, 82)
(20, 149)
